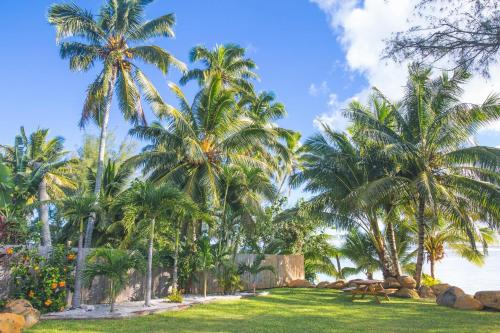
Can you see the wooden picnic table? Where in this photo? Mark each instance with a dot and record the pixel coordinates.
(368, 287)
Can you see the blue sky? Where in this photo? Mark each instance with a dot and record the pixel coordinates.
(290, 41)
(316, 55)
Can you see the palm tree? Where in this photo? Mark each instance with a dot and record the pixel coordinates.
(255, 268)
(115, 40)
(438, 168)
(77, 209)
(205, 260)
(150, 203)
(441, 235)
(224, 62)
(360, 250)
(114, 264)
(199, 139)
(337, 169)
(48, 167)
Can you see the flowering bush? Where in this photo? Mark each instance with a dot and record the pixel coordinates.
(43, 281)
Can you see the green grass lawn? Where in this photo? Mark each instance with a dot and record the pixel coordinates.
(295, 310)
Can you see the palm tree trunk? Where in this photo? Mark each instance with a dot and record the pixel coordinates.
(432, 262)
(380, 248)
(75, 303)
(150, 265)
(205, 278)
(176, 260)
(111, 296)
(339, 267)
(100, 158)
(421, 238)
(394, 251)
(43, 212)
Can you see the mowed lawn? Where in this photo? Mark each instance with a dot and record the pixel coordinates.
(295, 310)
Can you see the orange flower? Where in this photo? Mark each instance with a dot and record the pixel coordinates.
(31, 294)
(9, 251)
(53, 285)
(62, 284)
(71, 256)
(47, 302)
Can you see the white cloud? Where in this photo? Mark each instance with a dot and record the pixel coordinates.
(333, 118)
(321, 89)
(362, 27)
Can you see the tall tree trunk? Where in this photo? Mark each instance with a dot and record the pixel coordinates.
(150, 265)
(380, 248)
(421, 238)
(176, 262)
(205, 280)
(433, 263)
(100, 159)
(112, 296)
(43, 212)
(75, 303)
(393, 248)
(339, 268)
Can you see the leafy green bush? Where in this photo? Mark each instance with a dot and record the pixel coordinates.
(429, 281)
(176, 297)
(229, 279)
(43, 281)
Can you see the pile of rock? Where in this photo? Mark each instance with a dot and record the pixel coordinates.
(17, 315)
(455, 297)
(339, 284)
(403, 286)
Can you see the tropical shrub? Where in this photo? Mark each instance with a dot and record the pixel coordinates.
(176, 297)
(229, 279)
(113, 264)
(428, 280)
(44, 282)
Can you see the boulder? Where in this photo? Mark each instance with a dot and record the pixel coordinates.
(17, 306)
(11, 323)
(440, 288)
(449, 297)
(391, 283)
(340, 284)
(31, 317)
(407, 282)
(467, 302)
(406, 293)
(299, 284)
(323, 284)
(490, 299)
(426, 292)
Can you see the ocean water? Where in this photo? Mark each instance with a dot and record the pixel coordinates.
(459, 272)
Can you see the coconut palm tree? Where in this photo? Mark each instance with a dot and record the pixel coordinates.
(224, 62)
(114, 264)
(439, 168)
(46, 168)
(149, 204)
(360, 250)
(116, 40)
(337, 170)
(199, 139)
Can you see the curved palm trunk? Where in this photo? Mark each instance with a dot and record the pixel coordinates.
(393, 248)
(421, 238)
(380, 249)
(100, 159)
(75, 303)
(43, 212)
(150, 265)
(339, 267)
